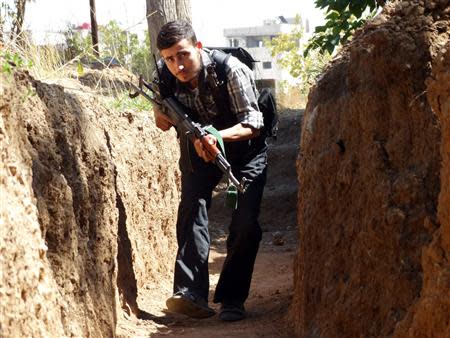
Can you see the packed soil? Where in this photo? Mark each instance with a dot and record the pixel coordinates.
(373, 256)
(272, 285)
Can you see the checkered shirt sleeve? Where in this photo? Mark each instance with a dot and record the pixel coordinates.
(243, 94)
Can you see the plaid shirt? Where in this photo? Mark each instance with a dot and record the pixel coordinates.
(242, 93)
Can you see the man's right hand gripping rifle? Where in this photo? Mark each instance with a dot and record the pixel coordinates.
(205, 143)
(206, 152)
(164, 123)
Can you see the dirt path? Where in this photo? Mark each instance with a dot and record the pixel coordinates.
(271, 290)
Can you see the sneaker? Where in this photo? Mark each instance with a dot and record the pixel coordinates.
(232, 311)
(189, 306)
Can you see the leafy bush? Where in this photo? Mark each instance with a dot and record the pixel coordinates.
(343, 17)
(116, 44)
(8, 61)
(287, 49)
(77, 44)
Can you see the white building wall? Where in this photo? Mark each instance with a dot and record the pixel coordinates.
(262, 55)
(238, 37)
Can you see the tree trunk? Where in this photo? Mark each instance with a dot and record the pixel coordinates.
(160, 12)
(2, 27)
(16, 29)
(94, 29)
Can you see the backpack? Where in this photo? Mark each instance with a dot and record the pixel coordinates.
(266, 100)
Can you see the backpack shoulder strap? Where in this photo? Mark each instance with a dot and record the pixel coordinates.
(220, 60)
(217, 80)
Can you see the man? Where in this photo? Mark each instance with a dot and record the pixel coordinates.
(246, 150)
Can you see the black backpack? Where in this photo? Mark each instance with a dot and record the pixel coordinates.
(266, 100)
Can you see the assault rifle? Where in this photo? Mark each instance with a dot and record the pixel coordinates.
(184, 124)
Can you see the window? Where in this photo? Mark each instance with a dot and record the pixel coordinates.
(267, 65)
(234, 42)
(255, 41)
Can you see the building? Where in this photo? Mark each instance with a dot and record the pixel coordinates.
(253, 39)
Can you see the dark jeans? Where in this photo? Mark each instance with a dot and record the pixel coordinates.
(191, 267)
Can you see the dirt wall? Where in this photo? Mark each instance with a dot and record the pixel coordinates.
(82, 226)
(369, 180)
(430, 315)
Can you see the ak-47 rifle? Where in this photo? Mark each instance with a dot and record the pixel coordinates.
(184, 124)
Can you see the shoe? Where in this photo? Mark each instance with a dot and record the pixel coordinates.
(232, 311)
(189, 306)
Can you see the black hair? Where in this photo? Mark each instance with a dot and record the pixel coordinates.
(173, 32)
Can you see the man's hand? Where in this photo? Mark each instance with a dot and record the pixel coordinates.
(161, 120)
(202, 151)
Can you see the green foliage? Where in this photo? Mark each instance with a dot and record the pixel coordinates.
(142, 60)
(342, 18)
(287, 49)
(126, 48)
(80, 68)
(11, 60)
(77, 44)
(115, 42)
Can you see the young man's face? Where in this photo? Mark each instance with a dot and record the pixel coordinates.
(183, 60)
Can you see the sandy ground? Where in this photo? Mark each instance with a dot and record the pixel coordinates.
(272, 284)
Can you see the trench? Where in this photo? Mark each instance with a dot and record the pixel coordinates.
(271, 292)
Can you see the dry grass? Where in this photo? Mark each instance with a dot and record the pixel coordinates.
(291, 98)
(48, 63)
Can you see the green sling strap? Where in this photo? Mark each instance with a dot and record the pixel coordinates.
(232, 192)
